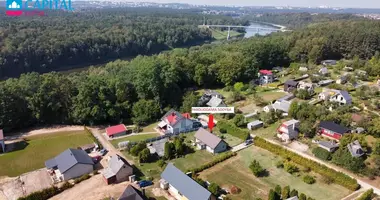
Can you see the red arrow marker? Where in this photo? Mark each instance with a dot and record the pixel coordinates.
(210, 122)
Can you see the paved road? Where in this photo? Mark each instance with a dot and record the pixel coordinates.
(107, 145)
(240, 147)
(363, 184)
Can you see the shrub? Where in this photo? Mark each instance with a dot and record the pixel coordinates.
(338, 177)
(256, 168)
(327, 180)
(214, 189)
(293, 193)
(272, 195)
(290, 168)
(277, 189)
(217, 160)
(285, 192)
(366, 195)
(302, 196)
(280, 164)
(222, 130)
(161, 163)
(82, 178)
(66, 185)
(239, 120)
(308, 179)
(322, 153)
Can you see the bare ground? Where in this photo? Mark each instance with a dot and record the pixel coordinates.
(94, 188)
(13, 188)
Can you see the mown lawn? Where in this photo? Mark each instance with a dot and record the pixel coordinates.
(32, 154)
(267, 132)
(252, 187)
(231, 140)
(133, 138)
(150, 127)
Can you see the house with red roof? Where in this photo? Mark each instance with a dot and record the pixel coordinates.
(265, 76)
(174, 122)
(116, 131)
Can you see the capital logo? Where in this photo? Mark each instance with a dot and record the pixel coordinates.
(14, 7)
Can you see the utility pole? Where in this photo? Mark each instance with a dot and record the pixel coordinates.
(228, 35)
(204, 20)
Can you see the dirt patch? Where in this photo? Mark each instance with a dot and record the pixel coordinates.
(13, 188)
(298, 146)
(94, 188)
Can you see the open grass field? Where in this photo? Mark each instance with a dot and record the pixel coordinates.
(231, 140)
(267, 132)
(222, 35)
(252, 187)
(134, 138)
(150, 127)
(31, 154)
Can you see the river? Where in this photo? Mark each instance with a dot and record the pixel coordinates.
(253, 32)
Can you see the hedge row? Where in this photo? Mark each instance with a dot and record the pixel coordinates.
(43, 194)
(217, 160)
(93, 137)
(233, 130)
(366, 195)
(322, 153)
(338, 177)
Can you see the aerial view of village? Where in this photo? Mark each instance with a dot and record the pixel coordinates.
(174, 101)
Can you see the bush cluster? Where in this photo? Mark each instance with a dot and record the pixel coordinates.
(366, 195)
(337, 177)
(82, 178)
(217, 160)
(308, 179)
(322, 153)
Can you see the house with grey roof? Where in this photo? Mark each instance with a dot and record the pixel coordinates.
(157, 147)
(329, 146)
(216, 102)
(118, 170)
(255, 124)
(355, 149)
(131, 193)
(340, 96)
(2, 141)
(70, 164)
(302, 85)
(325, 82)
(282, 106)
(181, 186)
(209, 141)
(328, 62)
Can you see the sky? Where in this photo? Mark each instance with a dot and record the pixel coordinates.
(300, 3)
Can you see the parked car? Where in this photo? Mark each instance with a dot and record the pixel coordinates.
(103, 152)
(145, 183)
(248, 142)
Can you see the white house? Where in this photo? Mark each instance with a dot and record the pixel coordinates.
(305, 86)
(174, 122)
(282, 106)
(209, 141)
(70, 164)
(340, 96)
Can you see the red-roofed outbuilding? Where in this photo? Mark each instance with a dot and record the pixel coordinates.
(118, 130)
(266, 72)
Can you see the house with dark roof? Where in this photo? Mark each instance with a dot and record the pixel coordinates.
(209, 141)
(70, 164)
(290, 85)
(2, 141)
(332, 130)
(181, 186)
(207, 96)
(329, 146)
(265, 76)
(339, 96)
(131, 193)
(115, 131)
(174, 122)
(118, 170)
(355, 149)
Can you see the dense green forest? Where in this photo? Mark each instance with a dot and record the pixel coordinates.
(110, 94)
(44, 44)
(299, 20)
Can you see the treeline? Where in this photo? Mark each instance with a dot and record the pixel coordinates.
(62, 39)
(299, 20)
(140, 91)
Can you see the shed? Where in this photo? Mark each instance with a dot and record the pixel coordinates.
(355, 149)
(118, 170)
(290, 85)
(329, 146)
(131, 193)
(117, 130)
(255, 124)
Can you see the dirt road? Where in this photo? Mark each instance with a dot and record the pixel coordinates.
(107, 145)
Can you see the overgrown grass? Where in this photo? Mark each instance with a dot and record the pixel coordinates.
(31, 154)
(134, 138)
